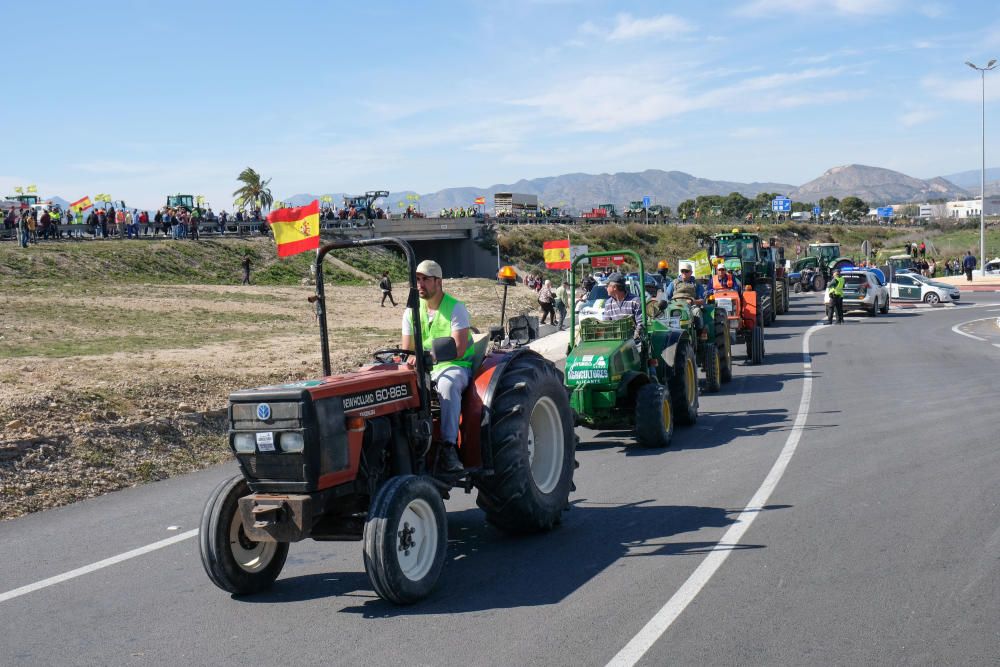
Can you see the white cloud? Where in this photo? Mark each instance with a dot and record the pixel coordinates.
(967, 88)
(844, 7)
(628, 27)
(916, 117)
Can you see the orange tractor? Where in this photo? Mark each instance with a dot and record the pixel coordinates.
(352, 457)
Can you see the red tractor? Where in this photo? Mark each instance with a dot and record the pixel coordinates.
(351, 457)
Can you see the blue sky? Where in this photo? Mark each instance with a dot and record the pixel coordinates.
(164, 97)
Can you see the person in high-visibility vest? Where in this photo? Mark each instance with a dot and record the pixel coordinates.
(725, 280)
(836, 291)
(442, 316)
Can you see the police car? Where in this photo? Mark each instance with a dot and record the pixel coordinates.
(915, 287)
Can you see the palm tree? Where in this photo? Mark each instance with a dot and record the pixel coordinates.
(254, 192)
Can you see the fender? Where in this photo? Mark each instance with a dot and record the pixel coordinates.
(630, 380)
(674, 337)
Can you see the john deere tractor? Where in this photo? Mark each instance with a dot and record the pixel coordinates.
(638, 377)
(820, 261)
(713, 347)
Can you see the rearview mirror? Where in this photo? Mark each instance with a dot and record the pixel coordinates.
(444, 349)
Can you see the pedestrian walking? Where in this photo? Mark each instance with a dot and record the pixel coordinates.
(246, 269)
(385, 284)
(836, 291)
(545, 299)
(563, 296)
(968, 264)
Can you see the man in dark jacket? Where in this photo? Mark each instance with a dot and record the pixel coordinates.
(968, 264)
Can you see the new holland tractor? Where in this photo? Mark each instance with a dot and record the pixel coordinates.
(351, 456)
(619, 375)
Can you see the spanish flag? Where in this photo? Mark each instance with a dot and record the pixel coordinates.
(556, 254)
(295, 229)
(480, 201)
(81, 204)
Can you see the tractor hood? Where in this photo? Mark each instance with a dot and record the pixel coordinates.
(600, 361)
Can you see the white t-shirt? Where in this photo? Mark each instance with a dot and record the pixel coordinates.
(459, 318)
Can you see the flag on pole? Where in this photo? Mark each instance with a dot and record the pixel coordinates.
(81, 204)
(32, 188)
(702, 267)
(296, 229)
(481, 201)
(556, 254)
(19, 190)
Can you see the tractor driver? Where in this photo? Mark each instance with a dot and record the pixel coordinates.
(621, 304)
(686, 287)
(442, 315)
(725, 280)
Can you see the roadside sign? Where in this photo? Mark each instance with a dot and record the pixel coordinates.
(866, 248)
(817, 210)
(645, 202)
(618, 259)
(781, 204)
(884, 211)
(600, 262)
(577, 250)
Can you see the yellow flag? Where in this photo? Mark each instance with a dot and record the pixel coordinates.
(19, 190)
(32, 188)
(702, 267)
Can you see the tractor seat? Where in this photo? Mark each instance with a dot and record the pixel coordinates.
(480, 345)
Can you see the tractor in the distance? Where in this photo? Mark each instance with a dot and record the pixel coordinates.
(620, 375)
(745, 256)
(816, 268)
(352, 456)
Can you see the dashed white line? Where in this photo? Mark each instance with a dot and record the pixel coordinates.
(93, 567)
(637, 647)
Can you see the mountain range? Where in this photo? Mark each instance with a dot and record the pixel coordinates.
(581, 192)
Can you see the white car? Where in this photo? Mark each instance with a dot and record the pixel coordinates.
(915, 287)
(993, 267)
(862, 291)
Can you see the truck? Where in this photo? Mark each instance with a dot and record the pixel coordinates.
(515, 205)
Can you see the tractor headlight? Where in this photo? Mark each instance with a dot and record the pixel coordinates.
(292, 442)
(244, 443)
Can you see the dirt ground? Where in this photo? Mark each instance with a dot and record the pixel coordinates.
(129, 384)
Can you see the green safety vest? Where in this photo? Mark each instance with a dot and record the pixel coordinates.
(440, 327)
(837, 286)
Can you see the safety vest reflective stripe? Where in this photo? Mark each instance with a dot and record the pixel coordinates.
(440, 327)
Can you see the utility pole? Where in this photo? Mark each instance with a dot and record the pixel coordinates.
(982, 203)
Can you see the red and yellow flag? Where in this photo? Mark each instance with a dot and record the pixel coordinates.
(81, 204)
(481, 201)
(556, 254)
(295, 229)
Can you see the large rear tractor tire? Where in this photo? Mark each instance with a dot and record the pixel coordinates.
(757, 346)
(683, 385)
(533, 449)
(819, 282)
(654, 417)
(233, 561)
(713, 369)
(405, 540)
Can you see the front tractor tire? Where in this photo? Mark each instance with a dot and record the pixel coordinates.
(683, 385)
(654, 417)
(713, 369)
(233, 561)
(405, 539)
(725, 354)
(533, 448)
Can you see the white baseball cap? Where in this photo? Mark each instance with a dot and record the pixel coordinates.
(429, 267)
(684, 264)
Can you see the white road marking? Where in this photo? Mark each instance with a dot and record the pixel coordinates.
(664, 618)
(996, 344)
(968, 335)
(93, 567)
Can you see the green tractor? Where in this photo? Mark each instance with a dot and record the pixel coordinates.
(746, 257)
(820, 261)
(713, 350)
(618, 378)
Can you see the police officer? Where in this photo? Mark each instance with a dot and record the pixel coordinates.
(836, 291)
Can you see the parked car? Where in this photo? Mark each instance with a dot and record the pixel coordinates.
(993, 267)
(862, 291)
(915, 287)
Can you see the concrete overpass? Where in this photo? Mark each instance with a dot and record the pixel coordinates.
(455, 243)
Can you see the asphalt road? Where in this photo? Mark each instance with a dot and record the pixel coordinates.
(880, 542)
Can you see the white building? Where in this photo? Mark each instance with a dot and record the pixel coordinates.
(972, 208)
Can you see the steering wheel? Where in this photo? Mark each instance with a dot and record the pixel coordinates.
(386, 356)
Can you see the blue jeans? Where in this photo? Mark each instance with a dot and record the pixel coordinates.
(24, 239)
(451, 381)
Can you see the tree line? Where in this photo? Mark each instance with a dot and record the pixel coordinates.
(735, 205)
